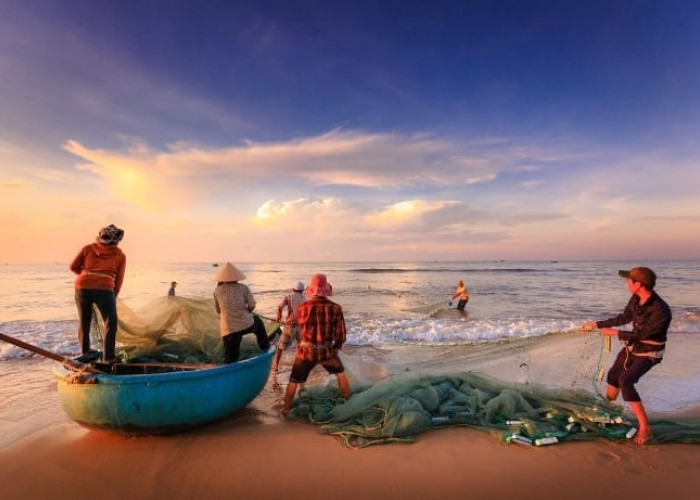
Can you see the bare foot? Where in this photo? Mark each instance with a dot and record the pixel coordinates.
(641, 438)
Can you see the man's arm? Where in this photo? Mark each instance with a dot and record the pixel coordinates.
(281, 307)
(621, 319)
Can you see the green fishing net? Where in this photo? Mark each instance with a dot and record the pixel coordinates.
(175, 329)
(399, 407)
(529, 391)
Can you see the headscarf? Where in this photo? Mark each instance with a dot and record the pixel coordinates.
(110, 235)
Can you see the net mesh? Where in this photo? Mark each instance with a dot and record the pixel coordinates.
(399, 407)
(527, 391)
(176, 329)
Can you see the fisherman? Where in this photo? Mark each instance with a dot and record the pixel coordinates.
(290, 325)
(644, 344)
(463, 294)
(100, 267)
(322, 335)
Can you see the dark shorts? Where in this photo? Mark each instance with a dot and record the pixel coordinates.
(302, 368)
(626, 372)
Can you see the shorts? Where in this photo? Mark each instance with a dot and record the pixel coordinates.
(302, 368)
(289, 332)
(626, 372)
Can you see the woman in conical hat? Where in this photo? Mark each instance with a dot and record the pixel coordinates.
(235, 303)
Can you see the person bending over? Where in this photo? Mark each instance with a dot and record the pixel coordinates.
(322, 335)
(235, 303)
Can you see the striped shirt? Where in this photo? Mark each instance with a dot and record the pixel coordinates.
(291, 302)
(233, 302)
(321, 329)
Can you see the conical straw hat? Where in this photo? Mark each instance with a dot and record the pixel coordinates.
(228, 273)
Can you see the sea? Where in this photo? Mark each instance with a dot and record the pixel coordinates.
(521, 323)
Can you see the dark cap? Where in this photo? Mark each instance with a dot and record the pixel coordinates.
(643, 275)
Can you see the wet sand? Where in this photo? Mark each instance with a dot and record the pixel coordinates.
(254, 454)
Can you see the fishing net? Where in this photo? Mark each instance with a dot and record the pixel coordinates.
(531, 392)
(176, 329)
(399, 407)
(527, 391)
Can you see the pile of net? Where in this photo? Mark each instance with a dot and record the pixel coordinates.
(399, 407)
(175, 329)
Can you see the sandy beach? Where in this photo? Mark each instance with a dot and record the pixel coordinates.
(255, 454)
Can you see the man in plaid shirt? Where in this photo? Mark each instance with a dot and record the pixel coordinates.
(321, 336)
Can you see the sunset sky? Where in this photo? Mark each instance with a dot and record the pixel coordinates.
(272, 131)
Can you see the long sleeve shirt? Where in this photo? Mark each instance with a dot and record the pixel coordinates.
(650, 323)
(99, 267)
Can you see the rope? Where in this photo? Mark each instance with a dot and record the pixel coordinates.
(597, 376)
(98, 324)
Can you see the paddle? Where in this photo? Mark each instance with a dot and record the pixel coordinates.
(70, 363)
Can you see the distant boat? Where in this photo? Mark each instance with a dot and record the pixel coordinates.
(215, 265)
(160, 397)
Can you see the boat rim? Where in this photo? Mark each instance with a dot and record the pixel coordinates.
(62, 372)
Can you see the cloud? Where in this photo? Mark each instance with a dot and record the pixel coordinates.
(339, 158)
(352, 195)
(13, 185)
(417, 216)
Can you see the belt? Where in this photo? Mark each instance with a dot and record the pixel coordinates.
(95, 273)
(649, 354)
(652, 342)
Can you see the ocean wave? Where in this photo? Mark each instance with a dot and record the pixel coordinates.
(59, 337)
(362, 330)
(368, 331)
(399, 270)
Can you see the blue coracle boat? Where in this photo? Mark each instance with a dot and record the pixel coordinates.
(161, 402)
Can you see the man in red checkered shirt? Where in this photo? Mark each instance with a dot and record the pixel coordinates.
(321, 336)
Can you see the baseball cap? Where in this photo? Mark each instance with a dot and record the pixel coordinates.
(643, 275)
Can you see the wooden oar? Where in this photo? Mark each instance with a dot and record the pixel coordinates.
(71, 363)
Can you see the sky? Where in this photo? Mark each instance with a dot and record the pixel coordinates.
(277, 131)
